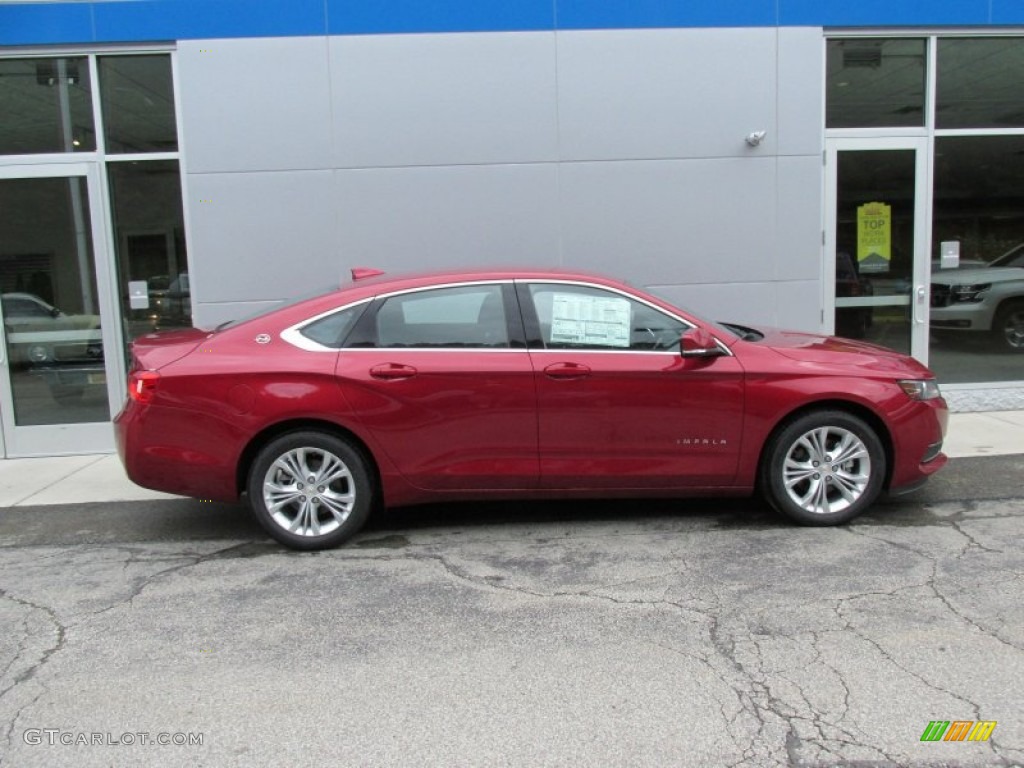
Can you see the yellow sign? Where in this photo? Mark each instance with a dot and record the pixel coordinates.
(874, 237)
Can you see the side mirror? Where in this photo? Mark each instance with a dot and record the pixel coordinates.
(697, 342)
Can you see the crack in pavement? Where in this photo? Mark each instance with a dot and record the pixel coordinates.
(60, 632)
(63, 629)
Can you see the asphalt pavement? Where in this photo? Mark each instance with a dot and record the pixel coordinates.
(675, 633)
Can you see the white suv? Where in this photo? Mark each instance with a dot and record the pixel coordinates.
(988, 298)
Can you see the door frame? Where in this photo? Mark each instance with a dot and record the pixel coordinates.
(919, 299)
(81, 438)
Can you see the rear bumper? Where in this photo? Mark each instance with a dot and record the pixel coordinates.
(155, 457)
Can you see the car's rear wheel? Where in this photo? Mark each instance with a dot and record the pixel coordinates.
(1008, 328)
(823, 468)
(310, 490)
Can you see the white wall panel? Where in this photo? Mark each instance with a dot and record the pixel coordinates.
(262, 236)
(210, 315)
(628, 94)
(464, 216)
(753, 304)
(799, 305)
(671, 221)
(801, 91)
(255, 105)
(443, 99)
(619, 151)
(798, 201)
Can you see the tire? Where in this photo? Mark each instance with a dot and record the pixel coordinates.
(1008, 327)
(304, 515)
(825, 493)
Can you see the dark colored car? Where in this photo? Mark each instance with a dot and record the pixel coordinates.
(528, 384)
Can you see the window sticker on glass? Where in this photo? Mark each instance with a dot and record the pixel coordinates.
(598, 320)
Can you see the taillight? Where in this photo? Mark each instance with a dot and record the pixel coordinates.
(142, 385)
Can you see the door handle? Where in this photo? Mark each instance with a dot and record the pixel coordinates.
(567, 371)
(393, 371)
(921, 297)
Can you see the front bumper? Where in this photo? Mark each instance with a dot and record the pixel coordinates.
(962, 317)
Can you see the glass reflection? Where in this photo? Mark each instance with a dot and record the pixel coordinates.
(875, 246)
(149, 228)
(47, 106)
(875, 83)
(138, 104)
(48, 302)
(979, 83)
(977, 313)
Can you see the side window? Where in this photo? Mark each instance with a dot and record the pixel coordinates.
(465, 316)
(578, 317)
(332, 329)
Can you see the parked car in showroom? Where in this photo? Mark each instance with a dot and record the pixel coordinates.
(64, 349)
(988, 299)
(517, 385)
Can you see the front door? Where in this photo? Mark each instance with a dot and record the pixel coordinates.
(876, 242)
(617, 405)
(59, 378)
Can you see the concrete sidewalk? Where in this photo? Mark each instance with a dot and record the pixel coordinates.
(98, 478)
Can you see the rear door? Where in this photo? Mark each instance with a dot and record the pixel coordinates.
(618, 407)
(442, 379)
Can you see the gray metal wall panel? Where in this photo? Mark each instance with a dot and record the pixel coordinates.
(255, 105)
(262, 236)
(751, 303)
(798, 305)
(801, 67)
(671, 221)
(630, 94)
(443, 99)
(212, 314)
(798, 202)
(463, 216)
(443, 151)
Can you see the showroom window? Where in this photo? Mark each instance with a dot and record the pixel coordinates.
(960, 97)
(47, 106)
(75, 129)
(875, 83)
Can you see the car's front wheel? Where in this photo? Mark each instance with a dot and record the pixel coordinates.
(823, 468)
(1009, 326)
(310, 490)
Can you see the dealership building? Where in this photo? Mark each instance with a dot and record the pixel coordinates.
(820, 165)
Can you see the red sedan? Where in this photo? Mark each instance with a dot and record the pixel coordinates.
(528, 384)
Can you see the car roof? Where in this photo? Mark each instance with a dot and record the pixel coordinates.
(351, 292)
(27, 296)
(403, 280)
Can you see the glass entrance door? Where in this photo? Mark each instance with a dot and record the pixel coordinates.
(876, 242)
(60, 379)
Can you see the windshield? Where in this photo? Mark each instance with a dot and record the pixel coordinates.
(1012, 258)
(725, 329)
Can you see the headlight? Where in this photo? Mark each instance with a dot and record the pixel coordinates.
(921, 389)
(969, 294)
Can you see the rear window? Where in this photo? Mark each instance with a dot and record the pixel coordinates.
(332, 330)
